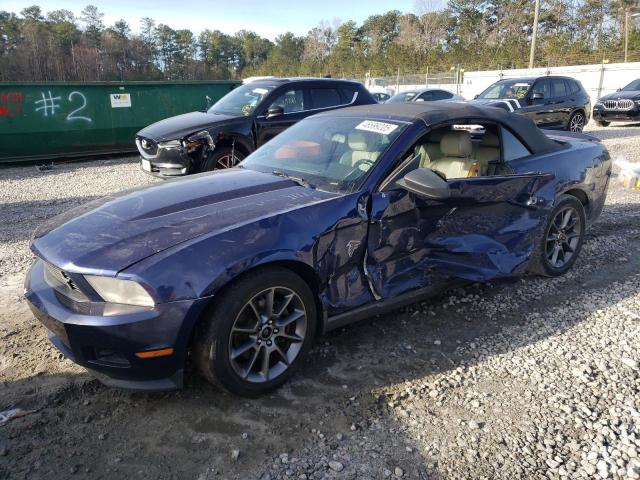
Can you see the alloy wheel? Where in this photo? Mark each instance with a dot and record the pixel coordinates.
(227, 161)
(563, 237)
(267, 334)
(577, 123)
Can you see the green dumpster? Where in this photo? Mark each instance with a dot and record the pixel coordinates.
(67, 119)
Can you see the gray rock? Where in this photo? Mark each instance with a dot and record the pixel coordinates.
(235, 453)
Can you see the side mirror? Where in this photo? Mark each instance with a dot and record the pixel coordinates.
(425, 183)
(476, 96)
(537, 96)
(619, 90)
(275, 112)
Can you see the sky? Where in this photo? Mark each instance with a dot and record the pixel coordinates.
(268, 18)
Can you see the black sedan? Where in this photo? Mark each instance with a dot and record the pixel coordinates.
(622, 106)
(551, 101)
(345, 215)
(240, 122)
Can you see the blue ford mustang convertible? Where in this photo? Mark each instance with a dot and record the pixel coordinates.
(346, 214)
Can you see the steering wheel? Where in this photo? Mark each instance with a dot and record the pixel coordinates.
(364, 161)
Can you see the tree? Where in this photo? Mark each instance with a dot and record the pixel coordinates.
(92, 19)
(438, 34)
(166, 38)
(379, 31)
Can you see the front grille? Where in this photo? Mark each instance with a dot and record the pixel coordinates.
(622, 104)
(625, 104)
(62, 283)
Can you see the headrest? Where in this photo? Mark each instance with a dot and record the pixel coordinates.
(490, 139)
(456, 144)
(436, 135)
(362, 142)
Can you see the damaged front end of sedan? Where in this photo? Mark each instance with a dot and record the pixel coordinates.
(174, 157)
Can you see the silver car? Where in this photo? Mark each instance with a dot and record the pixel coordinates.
(424, 95)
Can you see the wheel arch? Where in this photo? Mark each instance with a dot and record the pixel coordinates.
(303, 270)
(582, 197)
(236, 141)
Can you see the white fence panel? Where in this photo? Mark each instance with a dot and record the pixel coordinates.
(598, 79)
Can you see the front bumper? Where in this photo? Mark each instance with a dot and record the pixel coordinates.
(600, 114)
(162, 161)
(107, 345)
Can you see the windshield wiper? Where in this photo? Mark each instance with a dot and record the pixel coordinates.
(299, 180)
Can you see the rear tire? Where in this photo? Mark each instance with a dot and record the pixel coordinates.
(602, 124)
(245, 349)
(220, 158)
(561, 241)
(577, 121)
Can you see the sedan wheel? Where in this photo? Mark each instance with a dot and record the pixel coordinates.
(563, 237)
(267, 334)
(254, 337)
(577, 122)
(561, 242)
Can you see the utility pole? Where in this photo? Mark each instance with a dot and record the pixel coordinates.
(626, 34)
(534, 34)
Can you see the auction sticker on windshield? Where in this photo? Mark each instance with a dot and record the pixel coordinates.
(377, 127)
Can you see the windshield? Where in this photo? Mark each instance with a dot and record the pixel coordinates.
(333, 154)
(242, 100)
(633, 86)
(508, 89)
(402, 97)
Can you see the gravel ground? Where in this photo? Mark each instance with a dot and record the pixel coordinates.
(535, 378)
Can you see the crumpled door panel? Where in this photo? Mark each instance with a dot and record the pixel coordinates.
(486, 230)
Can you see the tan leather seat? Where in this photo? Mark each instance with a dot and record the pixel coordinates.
(361, 147)
(430, 150)
(457, 161)
(488, 151)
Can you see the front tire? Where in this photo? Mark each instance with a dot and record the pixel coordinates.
(254, 338)
(220, 158)
(577, 122)
(561, 241)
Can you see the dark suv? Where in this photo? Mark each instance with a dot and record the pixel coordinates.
(621, 106)
(550, 101)
(240, 122)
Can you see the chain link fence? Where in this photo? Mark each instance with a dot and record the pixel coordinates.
(598, 78)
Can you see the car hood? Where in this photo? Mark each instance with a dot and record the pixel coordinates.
(107, 235)
(629, 94)
(175, 128)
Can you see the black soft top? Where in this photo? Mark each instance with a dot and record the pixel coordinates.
(434, 113)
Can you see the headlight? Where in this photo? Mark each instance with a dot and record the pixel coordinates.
(116, 290)
(598, 104)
